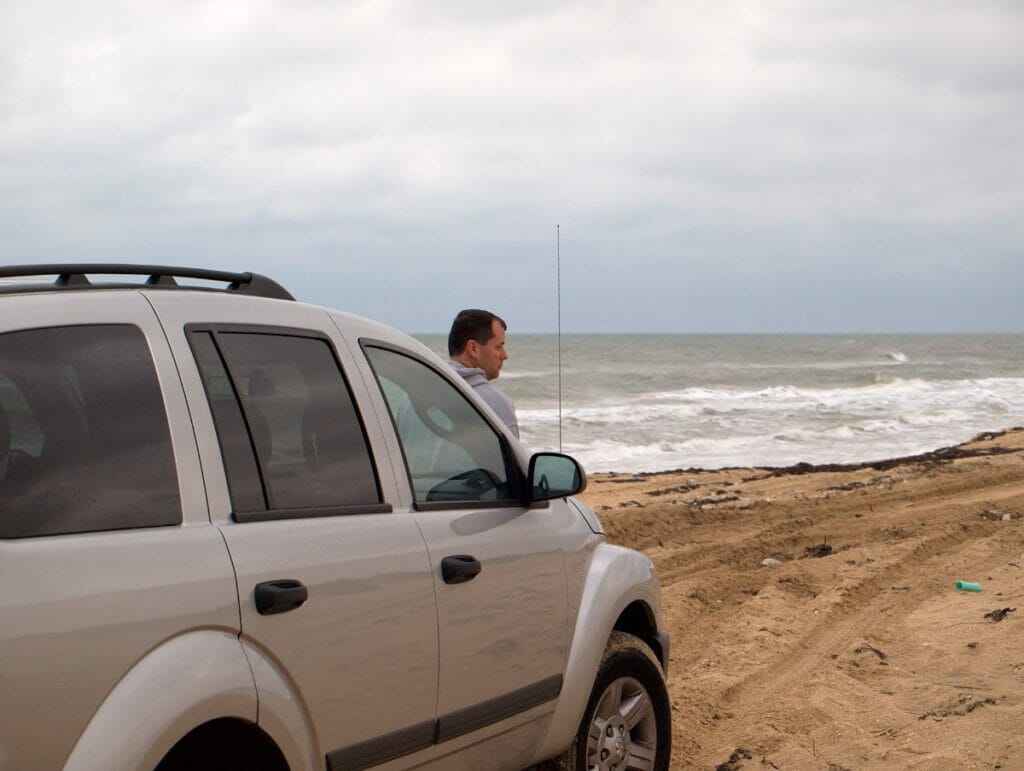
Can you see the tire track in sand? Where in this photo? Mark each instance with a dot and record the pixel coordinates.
(864, 607)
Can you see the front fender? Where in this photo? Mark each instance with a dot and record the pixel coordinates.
(186, 681)
(615, 578)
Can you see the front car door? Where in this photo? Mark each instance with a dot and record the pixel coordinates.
(503, 629)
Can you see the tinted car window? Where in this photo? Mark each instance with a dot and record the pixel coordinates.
(290, 434)
(243, 475)
(451, 451)
(83, 433)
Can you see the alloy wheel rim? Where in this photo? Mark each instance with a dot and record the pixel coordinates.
(623, 733)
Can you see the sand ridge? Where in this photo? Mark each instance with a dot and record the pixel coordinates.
(856, 650)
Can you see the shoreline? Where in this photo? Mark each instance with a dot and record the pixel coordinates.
(961, 450)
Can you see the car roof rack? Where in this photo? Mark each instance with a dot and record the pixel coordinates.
(76, 276)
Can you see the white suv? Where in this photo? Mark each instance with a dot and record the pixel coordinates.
(239, 531)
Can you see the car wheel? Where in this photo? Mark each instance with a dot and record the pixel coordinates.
(627, 725)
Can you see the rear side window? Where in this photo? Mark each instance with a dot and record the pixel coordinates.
(290, 434)
(83, 433)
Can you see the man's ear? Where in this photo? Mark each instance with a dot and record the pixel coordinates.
(472, 349)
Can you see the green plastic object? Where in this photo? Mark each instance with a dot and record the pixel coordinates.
(968, 586)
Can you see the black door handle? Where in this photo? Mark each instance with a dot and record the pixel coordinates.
(279, 596)
(459, 568)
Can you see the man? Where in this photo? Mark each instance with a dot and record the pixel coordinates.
(476, 345)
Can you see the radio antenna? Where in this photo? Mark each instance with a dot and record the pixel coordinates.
(558, 310)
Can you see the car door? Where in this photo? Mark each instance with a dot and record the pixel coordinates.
(334, 585)
(497, 564)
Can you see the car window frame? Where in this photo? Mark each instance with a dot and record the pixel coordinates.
(382, 506)
(514, 473)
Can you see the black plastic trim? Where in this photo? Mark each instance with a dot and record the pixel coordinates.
(76, 276)
(665, 641)
(455, 724)
(383, 748)
(459, 568)
(279, 596)
(218, 327)
(319, 511)
(462, 722)
(261, 469)
(504, 503)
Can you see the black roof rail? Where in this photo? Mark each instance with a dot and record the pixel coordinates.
(76, 276)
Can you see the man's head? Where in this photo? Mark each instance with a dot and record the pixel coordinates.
(477, 339)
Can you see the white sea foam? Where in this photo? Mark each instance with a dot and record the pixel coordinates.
(777, 425)
(519, 374)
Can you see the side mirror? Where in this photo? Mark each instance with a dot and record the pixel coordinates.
(553, 475)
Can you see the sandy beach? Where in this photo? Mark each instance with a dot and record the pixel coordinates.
(851, 647)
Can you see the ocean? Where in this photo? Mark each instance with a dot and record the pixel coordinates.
(659, 402)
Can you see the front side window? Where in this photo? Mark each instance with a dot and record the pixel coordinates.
(84, 439)
(289, 430)
(451, 452)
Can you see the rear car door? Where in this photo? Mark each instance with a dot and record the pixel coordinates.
(334, 585)
(497, 564)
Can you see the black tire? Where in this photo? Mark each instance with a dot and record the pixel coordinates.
(224, 745)
(627, 724)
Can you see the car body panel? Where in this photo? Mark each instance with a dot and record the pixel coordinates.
(503, 634)
(615, 578)
(81, 610)
(368, 630)
(282, 711)
(190, 679)
(82, 626)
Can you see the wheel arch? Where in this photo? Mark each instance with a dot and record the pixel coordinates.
(184, 682)
(621, 591)
(638, 619)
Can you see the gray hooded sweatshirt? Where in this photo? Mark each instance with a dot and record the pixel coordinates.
(497, 401)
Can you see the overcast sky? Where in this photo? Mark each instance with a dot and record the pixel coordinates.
(713, 167)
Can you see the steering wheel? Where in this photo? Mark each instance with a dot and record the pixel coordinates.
(470, 485)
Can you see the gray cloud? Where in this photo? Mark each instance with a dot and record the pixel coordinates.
(736, 166)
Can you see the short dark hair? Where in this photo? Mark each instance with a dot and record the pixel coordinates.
(472, 324)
